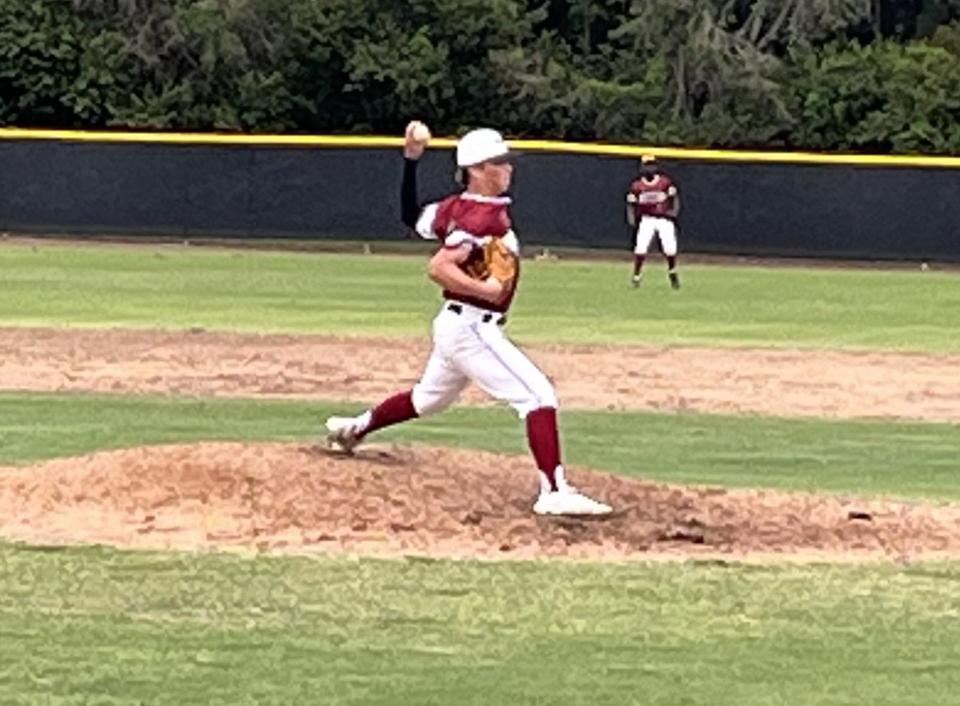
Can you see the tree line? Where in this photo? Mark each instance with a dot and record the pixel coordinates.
(860, 75)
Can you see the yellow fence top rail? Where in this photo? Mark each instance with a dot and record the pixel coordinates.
(595, 148)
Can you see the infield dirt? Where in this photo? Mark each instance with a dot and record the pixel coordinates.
(774, 382)
(444, 502)
(390, 500)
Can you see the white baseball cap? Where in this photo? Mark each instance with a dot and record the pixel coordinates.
(479, 146)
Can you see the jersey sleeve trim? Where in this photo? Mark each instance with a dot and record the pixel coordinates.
(457, 238)
(424, 224)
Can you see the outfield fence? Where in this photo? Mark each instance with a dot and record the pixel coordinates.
(566, 194)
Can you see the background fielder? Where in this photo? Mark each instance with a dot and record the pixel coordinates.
(653, 203)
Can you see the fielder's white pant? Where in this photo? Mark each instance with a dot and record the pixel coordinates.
(652, 226)
(465, 349)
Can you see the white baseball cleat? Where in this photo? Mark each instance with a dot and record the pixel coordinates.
(343, 433)
(569, 501)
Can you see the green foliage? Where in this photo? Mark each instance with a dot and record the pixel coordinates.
(383, 62)
(203, 64)
(547, 96)
(41, 79)
(935, 14)
(884, 97)
(758, 73)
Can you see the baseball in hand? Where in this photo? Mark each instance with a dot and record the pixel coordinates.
(420, 132)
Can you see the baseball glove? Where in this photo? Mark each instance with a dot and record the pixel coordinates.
(492, 260)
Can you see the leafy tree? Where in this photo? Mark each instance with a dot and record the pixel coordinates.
(935, 14)
(370, 64)
(201, 64)
(51, 70)
(881, 97)
(821, 74)
(549, 97)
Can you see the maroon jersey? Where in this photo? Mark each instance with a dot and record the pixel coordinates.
(654, 197)
(472, 219)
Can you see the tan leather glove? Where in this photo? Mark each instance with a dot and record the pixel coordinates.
(493, 260)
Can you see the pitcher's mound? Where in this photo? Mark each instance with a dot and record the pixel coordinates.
(420, 500)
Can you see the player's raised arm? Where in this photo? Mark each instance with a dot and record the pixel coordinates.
(415, 140)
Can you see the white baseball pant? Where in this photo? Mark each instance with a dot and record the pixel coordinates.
(653, 226)
(466, 348)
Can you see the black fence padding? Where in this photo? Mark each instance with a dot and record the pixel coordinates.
(560, 199)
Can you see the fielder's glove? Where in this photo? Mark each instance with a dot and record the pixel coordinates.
(493, 260)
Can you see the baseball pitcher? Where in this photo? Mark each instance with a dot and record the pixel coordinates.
(477, 266)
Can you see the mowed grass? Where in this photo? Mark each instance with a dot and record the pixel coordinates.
(858, 457)
(98, 626)
(180, 287)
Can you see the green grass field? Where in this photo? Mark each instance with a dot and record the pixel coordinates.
(853, 457)
(96, 626)
(101, 626)
(179, 287)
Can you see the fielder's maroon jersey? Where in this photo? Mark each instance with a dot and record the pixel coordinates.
(466, 218)
(653, 198)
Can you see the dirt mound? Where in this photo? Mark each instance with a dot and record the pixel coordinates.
(288, 497)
